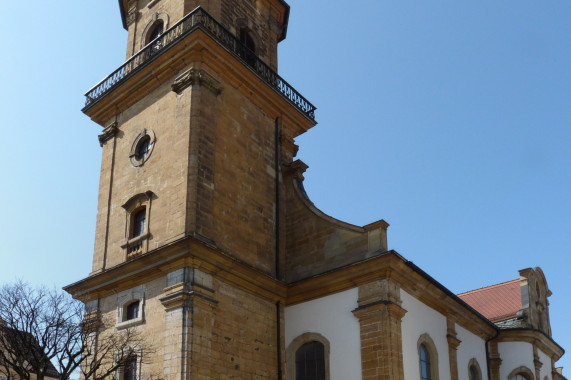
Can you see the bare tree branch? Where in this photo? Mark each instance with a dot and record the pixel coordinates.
(46, 333)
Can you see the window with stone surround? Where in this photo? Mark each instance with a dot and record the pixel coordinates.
(155, 27)
(130, 368)
(137, 217)
(474, 372)
(130, 308)
(129, 365)
(142, 147)
(427, 358)
(521, 373)
(307, 358)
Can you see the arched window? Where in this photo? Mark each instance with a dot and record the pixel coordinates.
(310, 362)
(425, 373)
(427, 358)
(156, 30)
(474, 372)
(521, 373)
(247, 40)
(248, 54)
(307, 357)
(156, 26)
(130, 368)
(132, 310)
(139, 221)
(137, 224)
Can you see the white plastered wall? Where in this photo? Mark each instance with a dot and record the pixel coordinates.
(515, 355)
(545, 370)
(472, 347)
(331, 317)
(418, 320)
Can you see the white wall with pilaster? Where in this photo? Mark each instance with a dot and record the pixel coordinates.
(418, 320)
(515, 355)
(472, 347)
(332, 317)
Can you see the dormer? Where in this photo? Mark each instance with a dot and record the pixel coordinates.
(258, 24)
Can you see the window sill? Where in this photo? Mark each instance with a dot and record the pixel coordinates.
(129, 323)
(135, 246)
(135, 240)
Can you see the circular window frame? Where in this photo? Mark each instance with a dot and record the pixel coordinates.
(137, 161)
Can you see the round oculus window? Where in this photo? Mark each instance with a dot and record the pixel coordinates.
(142, 147)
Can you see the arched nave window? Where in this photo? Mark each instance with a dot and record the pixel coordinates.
(307, 358)
(474, 372)
(427, 358)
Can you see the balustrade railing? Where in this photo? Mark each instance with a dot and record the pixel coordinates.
(199, 19)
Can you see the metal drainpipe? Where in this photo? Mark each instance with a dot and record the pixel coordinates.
(277, 233)
(279, 340)
(277, 185)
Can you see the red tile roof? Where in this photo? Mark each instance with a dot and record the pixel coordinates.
(497, 302)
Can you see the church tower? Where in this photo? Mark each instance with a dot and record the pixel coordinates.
(202, 219)
(196, 124)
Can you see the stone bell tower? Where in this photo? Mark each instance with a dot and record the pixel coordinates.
(204, 231)
(190, 125)
(196, 124)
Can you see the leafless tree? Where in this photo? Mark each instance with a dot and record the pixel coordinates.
(46, 333)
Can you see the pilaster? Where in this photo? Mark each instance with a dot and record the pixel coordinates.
(537, 363)
(188, 301)
(380, 316)
(453, 343)
(494, 360)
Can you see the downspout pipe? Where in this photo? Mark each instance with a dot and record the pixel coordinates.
(277, 189)
(277, 237)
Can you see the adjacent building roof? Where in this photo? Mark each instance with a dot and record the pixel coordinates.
(496, 302)
(31, 343)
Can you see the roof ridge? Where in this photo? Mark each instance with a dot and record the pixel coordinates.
(486, 287)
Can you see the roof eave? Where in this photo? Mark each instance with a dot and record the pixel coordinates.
(123, 19)
(286, 21)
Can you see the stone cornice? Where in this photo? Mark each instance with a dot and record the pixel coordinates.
(188, 251)
(390, 265)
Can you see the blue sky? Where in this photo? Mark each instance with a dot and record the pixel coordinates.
(451, 120)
